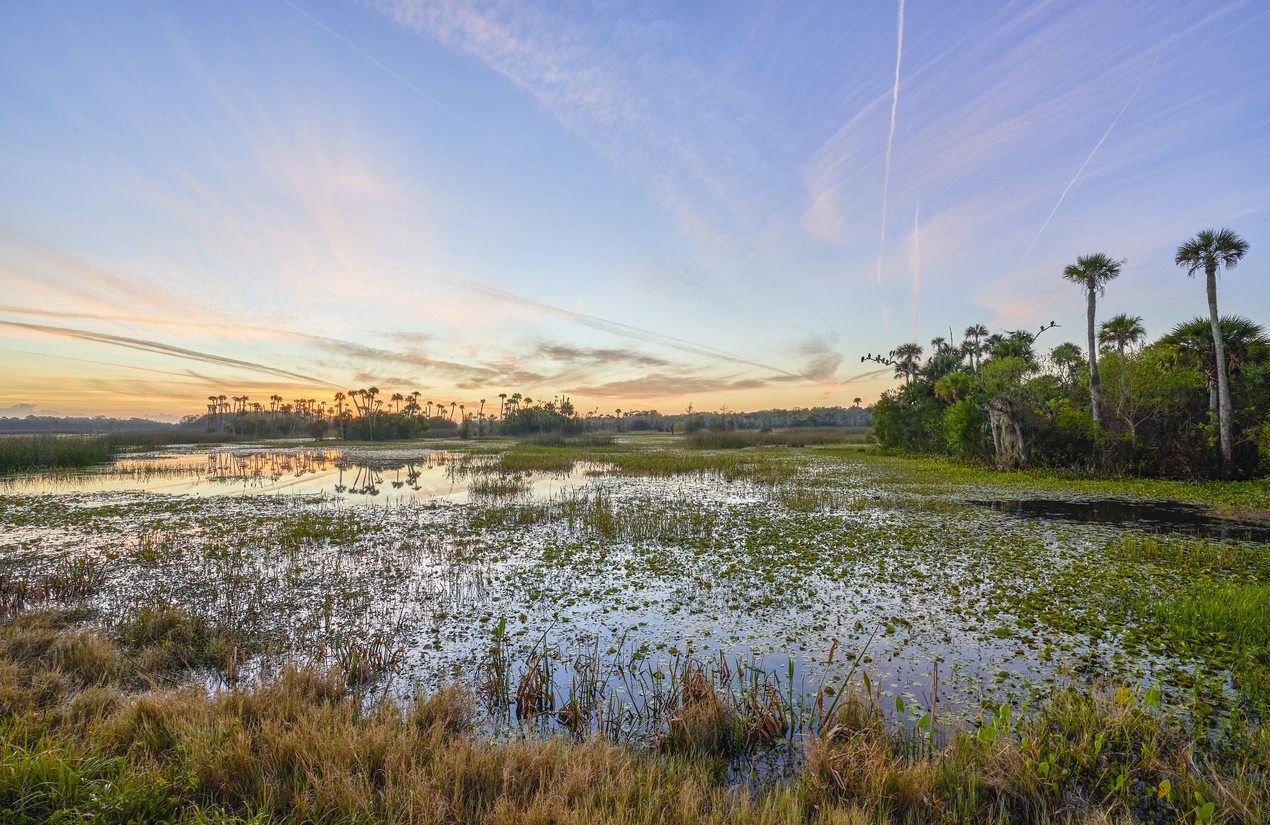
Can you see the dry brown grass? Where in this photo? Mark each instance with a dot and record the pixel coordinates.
(78, 722)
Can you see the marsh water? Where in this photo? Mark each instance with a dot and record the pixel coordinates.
(806, 569)
(1157, 516)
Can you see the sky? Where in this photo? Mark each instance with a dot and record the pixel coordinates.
(637, 205)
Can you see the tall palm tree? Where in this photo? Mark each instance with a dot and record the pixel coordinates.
(1209, 250)
(1092, 272)
(1123, 330)
(975, 332)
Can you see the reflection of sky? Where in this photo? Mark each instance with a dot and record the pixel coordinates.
(636, 205)
(429, 476)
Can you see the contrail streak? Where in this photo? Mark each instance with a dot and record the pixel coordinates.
(1076, 177)
(870, 374)
(616, 328)
(890, 139)
(165, 349)
(917, 269)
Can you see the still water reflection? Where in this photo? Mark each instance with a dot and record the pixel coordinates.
(357, 477)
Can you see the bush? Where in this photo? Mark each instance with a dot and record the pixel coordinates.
(966, 430)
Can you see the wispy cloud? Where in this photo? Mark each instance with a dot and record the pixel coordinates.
(164, 349)
(620, 329)
(606, 79)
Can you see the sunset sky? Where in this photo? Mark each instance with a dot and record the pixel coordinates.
(639, 205)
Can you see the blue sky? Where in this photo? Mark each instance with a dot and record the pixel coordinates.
(638, 205)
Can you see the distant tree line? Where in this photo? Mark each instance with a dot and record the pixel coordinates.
(369, 415)
(87, 426)
(1193, 403)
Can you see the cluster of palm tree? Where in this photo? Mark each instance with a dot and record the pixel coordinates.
(361, 407)
(1209, 251)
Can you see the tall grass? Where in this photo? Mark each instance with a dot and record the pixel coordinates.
(34, 452)
(1238, 614)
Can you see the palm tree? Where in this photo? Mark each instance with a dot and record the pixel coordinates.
(1122, 331)
(396, 399)
(907, 361)
(1092, 272)
(975, 332)
(502, 402)
(1067, 357)
(1209, 250)
(1243, 342)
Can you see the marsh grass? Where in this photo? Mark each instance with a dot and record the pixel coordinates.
(499, 487)
(80, 741)
(1237, 614)
(597, 512)
(1193, 555)
(794, 437)
(32, 452)
(561, 440)
(70, 581)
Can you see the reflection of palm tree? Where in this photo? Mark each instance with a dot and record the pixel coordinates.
(1092, 272)
(1210, 250)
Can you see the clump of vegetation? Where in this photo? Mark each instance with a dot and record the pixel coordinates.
(498, 487)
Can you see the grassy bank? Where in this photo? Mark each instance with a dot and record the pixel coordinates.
(918, 471)
(93, 729)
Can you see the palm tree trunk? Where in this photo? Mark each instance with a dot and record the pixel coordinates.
(1223, 382)
(1095, 381)
(1123, 384)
